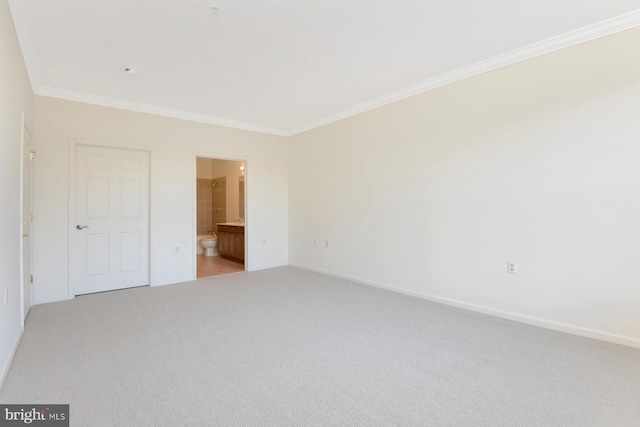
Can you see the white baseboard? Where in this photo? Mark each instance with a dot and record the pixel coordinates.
(530, 320)
(7, 363)
(266, 266)
(47, 300)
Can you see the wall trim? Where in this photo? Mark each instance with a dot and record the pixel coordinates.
(571, 38)
(529, 320)
(266, 267)
(7, 363)
(140, 107)
(48, 300)
(552, 44)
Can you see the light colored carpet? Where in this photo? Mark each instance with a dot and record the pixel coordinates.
(287, 347)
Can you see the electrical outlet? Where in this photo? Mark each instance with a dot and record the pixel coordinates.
(327, 244)
(512, 267)
(177, 248)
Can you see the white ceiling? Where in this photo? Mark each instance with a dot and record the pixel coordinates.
(285, 66)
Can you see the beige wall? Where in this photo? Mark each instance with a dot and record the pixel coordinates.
(174, 145)
(538, 162)
(15, 98)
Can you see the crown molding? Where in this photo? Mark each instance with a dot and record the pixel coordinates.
(124, 104)
(571, 38)
(19, 12)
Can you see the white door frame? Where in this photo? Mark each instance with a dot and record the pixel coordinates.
(71, 208)
(194, 198)
(23, 262)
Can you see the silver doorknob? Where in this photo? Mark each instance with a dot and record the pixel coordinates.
(80, 227)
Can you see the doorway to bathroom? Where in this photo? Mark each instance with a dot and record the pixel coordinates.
(220, 216)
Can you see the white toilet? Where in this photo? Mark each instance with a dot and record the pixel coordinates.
(207, 244)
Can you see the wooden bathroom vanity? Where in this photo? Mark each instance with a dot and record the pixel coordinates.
(231, 241)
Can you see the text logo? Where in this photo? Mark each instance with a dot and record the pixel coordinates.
(34, 415)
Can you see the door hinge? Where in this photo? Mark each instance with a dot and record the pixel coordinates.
(31, 279)
(31, 217)
(32, 155)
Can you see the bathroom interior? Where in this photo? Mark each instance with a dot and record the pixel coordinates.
(220, 220)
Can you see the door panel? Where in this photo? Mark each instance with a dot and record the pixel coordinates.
(97, 197)
(98, 247)
(111, 208)
(130, 193)
(130, 252)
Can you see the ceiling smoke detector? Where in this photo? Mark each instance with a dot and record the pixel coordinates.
(215, 9)
(130, 70)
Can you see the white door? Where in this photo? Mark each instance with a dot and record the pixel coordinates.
(26, 218)
(111, 219)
